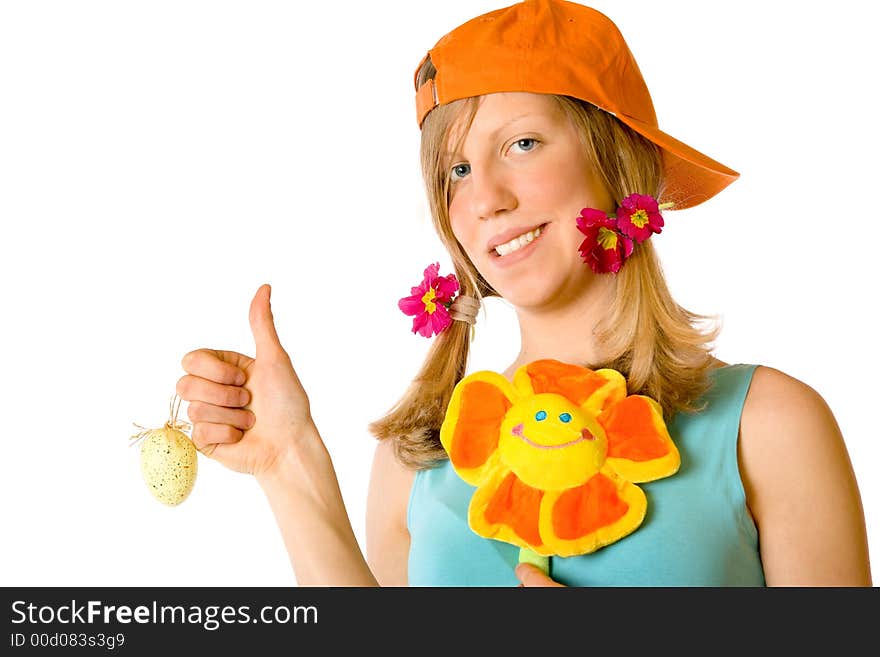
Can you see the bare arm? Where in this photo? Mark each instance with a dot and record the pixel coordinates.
(387, 502)
(317, 533)
(304, 495)
(253, 415)
(800, 486)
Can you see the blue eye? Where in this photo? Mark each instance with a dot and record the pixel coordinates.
(526, 144)
(541, 415)
(459, 171)
(565, 417)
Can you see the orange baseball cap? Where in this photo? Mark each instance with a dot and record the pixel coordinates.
(564, 48)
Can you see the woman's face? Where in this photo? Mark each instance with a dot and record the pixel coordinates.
(520, 168)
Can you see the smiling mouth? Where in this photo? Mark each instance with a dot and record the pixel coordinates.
(540, 446)
(493, 253)
(518, 432)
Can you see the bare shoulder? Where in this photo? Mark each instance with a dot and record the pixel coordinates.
(800, 486)
(776, 398)
(784, 417)
(387, 502)
(786, 425)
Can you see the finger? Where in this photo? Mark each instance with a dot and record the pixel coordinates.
(263, 325)
(222, 452)
(205, 434)
(194, 388)
(531, 575)
(201, 412)
(215, 365)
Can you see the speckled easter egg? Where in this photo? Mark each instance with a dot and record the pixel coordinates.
(169, 462)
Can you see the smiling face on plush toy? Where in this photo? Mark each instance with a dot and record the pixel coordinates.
(548, 442)
(555, 456)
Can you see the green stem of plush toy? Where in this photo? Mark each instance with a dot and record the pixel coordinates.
(530, 556)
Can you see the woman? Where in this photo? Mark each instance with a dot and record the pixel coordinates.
(531, 115)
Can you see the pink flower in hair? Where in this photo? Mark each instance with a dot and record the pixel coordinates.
(429, 302)
(604, 248)
(638, 217)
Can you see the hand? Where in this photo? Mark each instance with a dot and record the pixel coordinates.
(246, 412)
(530, 575)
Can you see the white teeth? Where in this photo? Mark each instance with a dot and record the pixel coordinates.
(517, 243)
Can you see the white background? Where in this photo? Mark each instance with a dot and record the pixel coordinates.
(160, 160)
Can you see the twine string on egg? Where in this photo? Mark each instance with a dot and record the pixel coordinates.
(173, 423)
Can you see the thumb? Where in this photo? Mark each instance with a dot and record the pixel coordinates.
(263, 324)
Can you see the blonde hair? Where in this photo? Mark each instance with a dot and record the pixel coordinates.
(655, 343)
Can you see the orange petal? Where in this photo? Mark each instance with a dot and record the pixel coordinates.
(639, 445)
(582, 519)
(478, 423)
(632, 432)
(573, 382)
(516, 505)
(583, 510)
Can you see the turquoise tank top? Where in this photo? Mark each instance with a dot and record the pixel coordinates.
(697, 530)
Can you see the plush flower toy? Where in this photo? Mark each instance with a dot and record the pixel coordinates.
(555, 456)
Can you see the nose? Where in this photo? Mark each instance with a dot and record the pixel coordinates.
(491, 194)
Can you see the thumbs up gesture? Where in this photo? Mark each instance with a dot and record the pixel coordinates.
(246, 411)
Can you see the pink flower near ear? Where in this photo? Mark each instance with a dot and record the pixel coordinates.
(638, 217)
(429, 302)
(604, 249)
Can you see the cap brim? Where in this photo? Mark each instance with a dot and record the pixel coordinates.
(690, 176)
